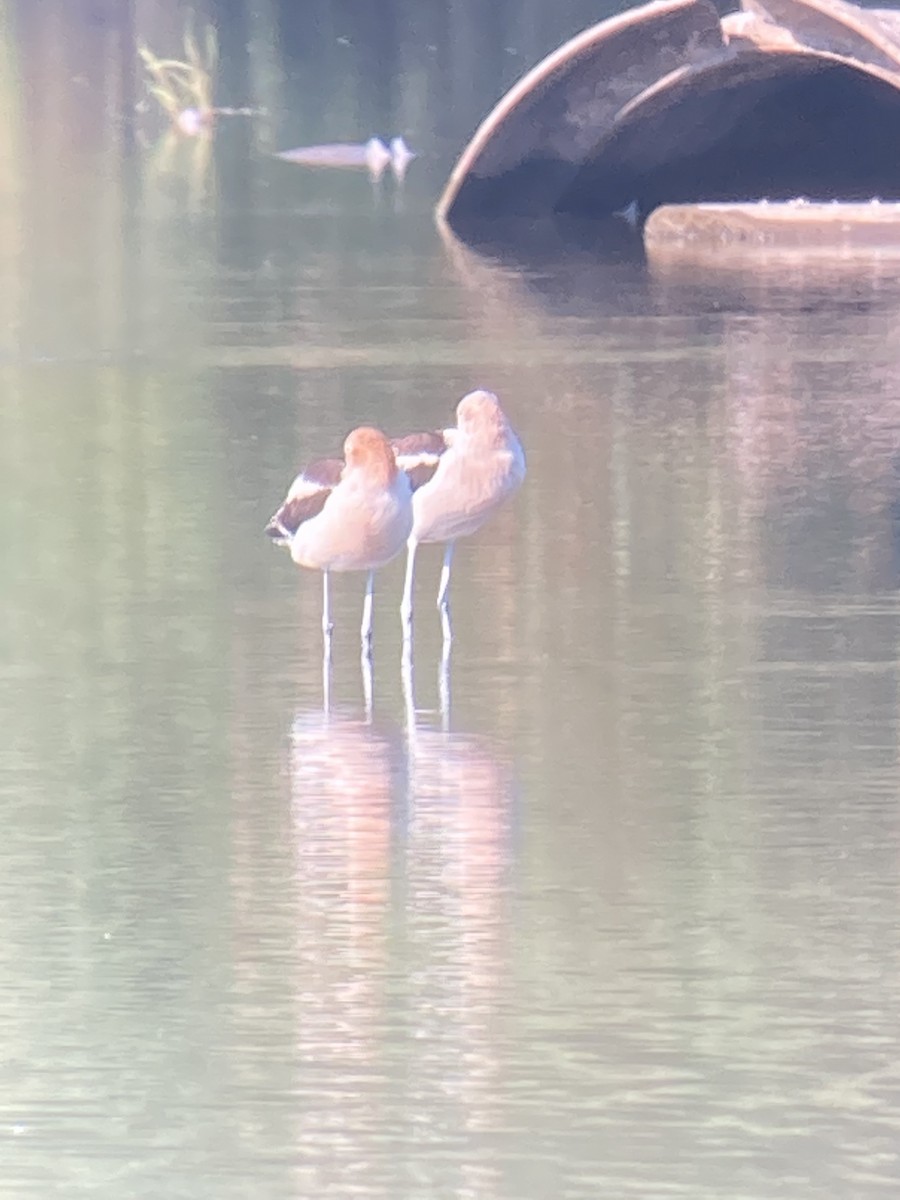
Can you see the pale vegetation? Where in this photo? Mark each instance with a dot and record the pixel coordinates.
(184, 88)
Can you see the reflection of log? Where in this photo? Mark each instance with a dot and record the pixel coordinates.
(668, 103)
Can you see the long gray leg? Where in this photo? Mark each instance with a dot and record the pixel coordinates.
(444, 686)
(326, 643)
(326, 684)
(406, 604)
(443, 597)
(365, 632)
(365, 662)
(407, 684)
(327, 625)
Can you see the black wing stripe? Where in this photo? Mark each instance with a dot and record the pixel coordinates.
(295, 510)
(418, 454)
(423, 447)
(306, 498)
(323, 473)
(421, 473)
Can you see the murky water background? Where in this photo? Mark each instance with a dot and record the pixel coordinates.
(629, 926)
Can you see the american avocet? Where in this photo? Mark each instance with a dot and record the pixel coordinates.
(459, 476)
(351, 515)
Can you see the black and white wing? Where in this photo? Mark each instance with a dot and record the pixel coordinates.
(418, 454)
(305, 499)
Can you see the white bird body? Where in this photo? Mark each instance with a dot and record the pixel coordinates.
(460, 477)
(471, 481)
(363, 524)
(351, 515)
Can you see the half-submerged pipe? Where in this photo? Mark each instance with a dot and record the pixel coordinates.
(669, 103)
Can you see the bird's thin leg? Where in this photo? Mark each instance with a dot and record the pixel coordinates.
(406, 604)
(365, 631)
(444, 686)
(326, 643)
(443, 597)
(407, 682)
(326, 683)
(365, 662)
(327, 626)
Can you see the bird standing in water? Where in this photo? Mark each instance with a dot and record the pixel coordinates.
(460, 477)
(350, 515)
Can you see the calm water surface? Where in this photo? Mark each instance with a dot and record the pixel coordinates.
(622, 919)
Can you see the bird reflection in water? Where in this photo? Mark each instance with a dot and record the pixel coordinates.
(459, 856)
(401, 850)
(342, 773)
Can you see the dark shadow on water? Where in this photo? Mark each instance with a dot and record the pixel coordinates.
(550, 239)
(565, 265)
(568, 267)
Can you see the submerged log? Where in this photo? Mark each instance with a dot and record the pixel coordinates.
(669, 103)
(797, 224)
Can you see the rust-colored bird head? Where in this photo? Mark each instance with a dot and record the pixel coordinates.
(368, 450)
